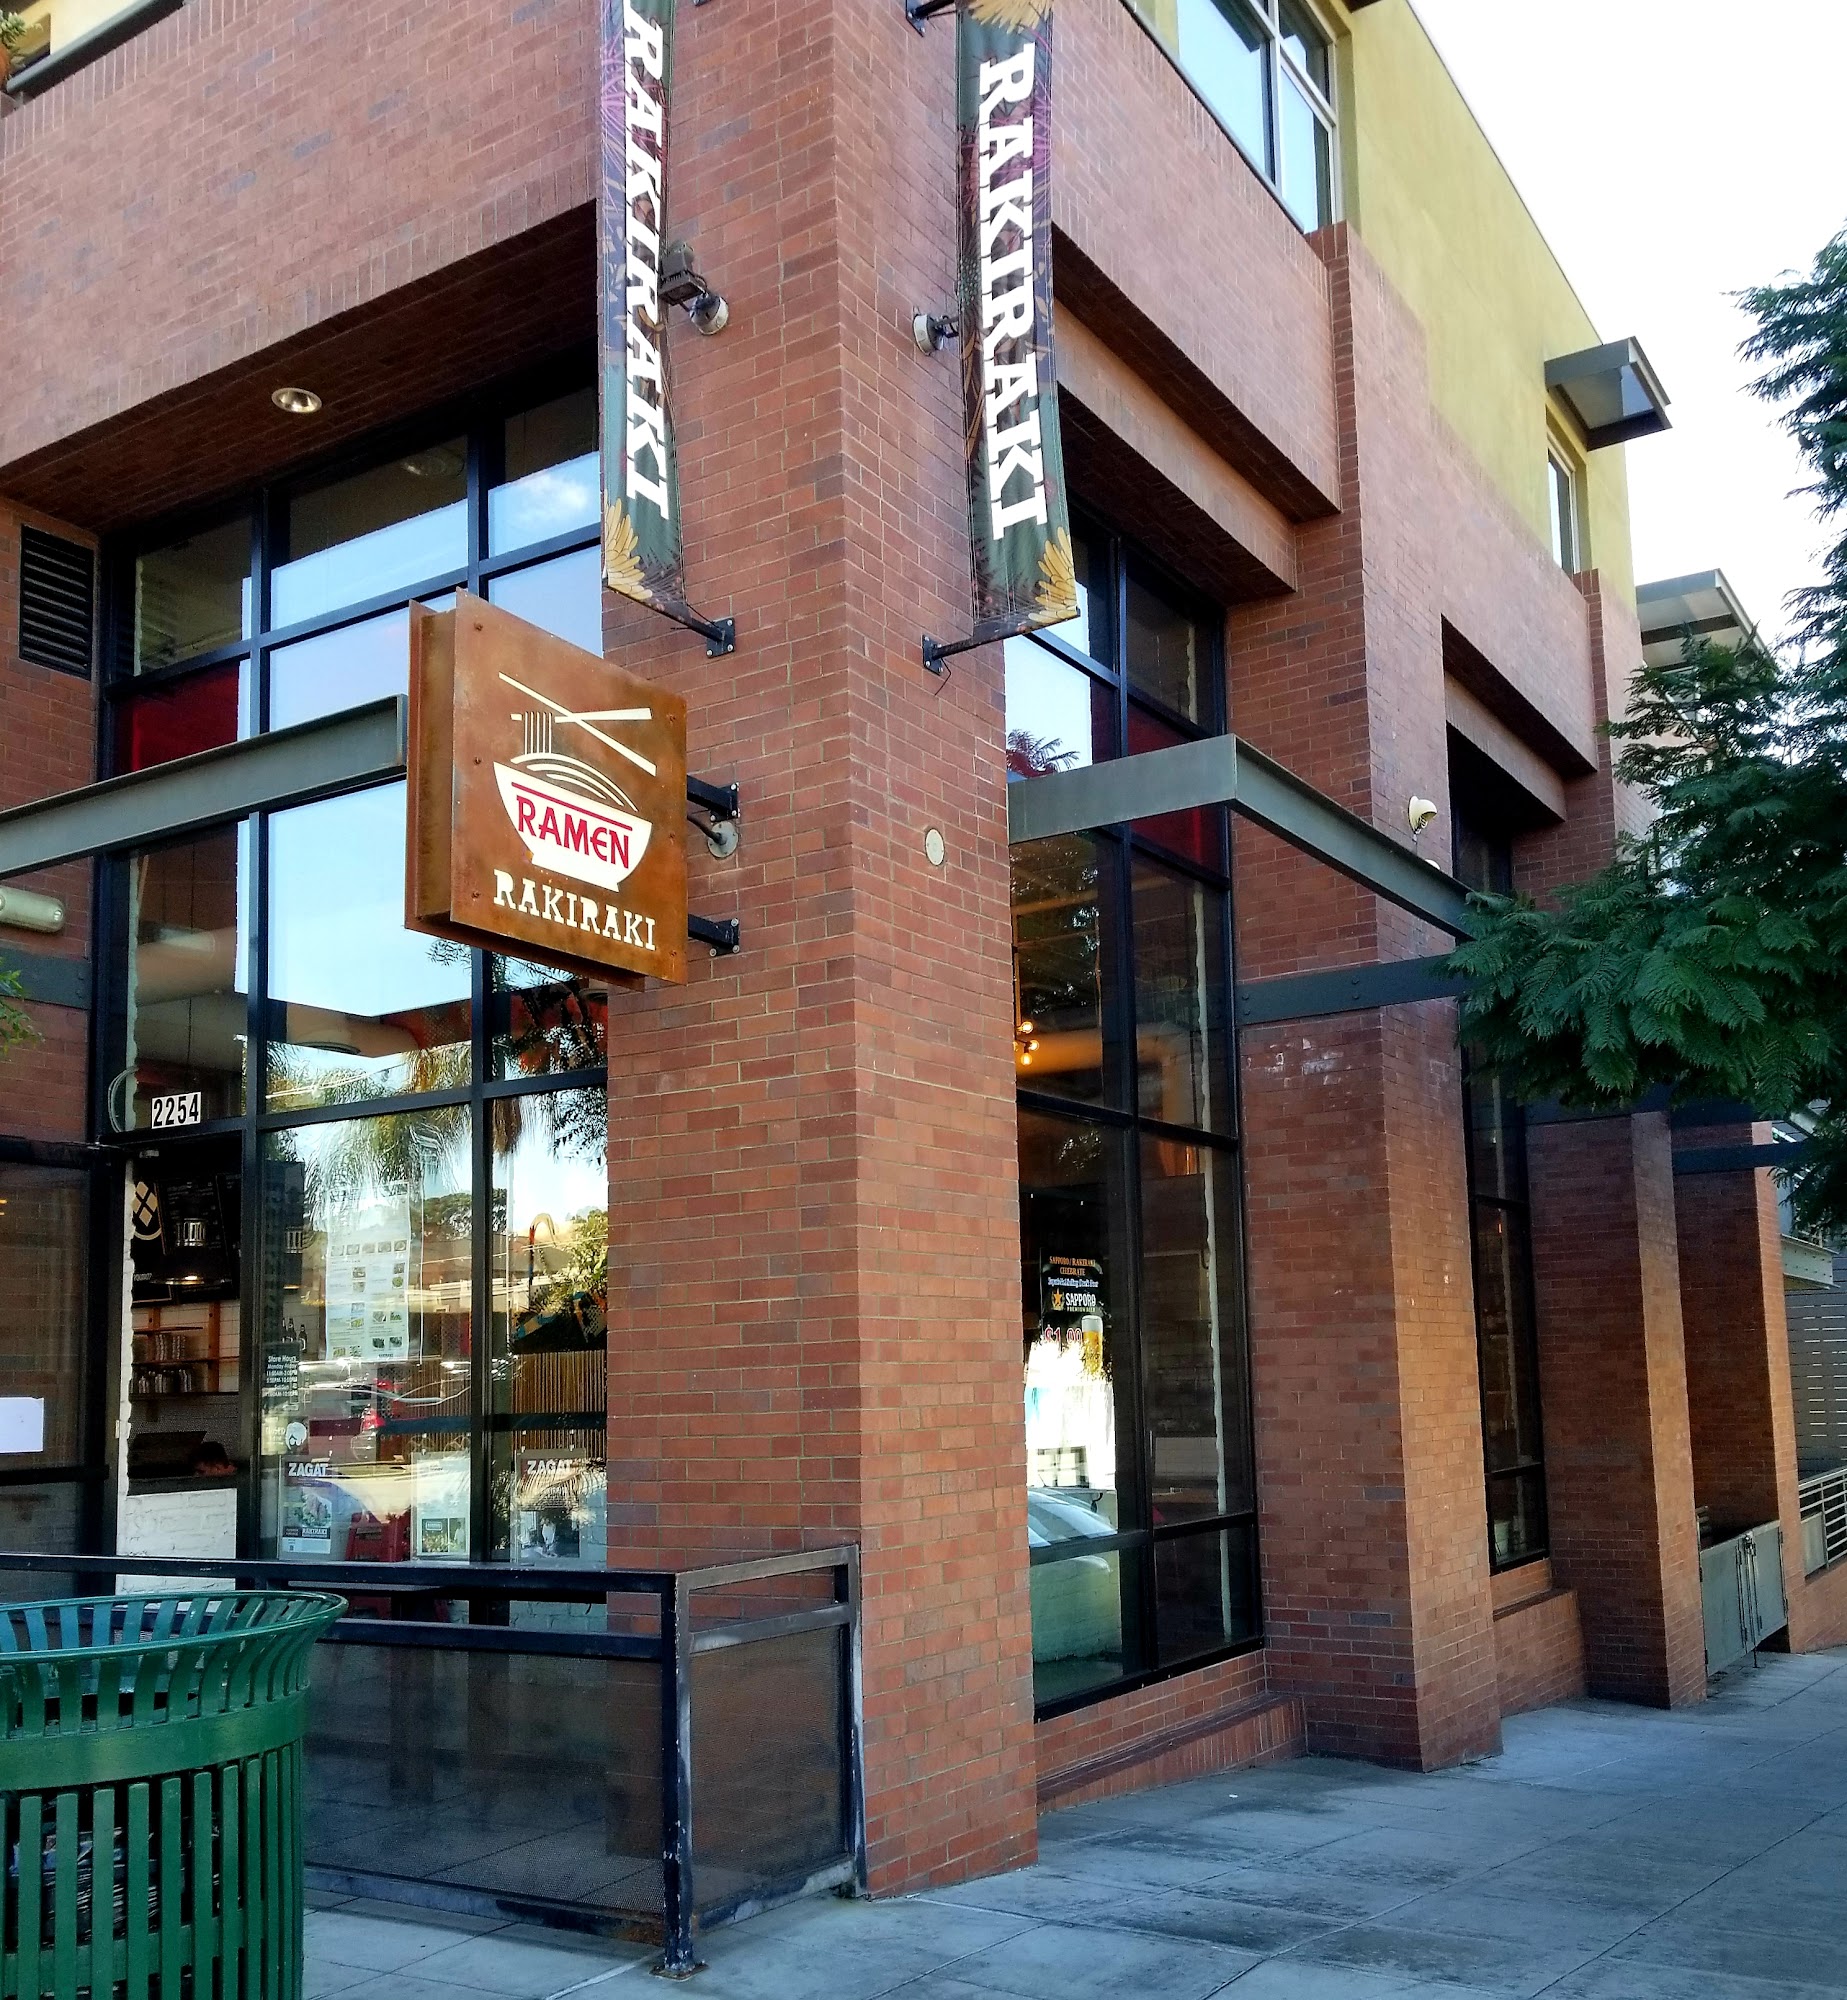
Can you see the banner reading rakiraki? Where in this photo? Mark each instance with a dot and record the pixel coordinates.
(643, 555)
(1019, 523)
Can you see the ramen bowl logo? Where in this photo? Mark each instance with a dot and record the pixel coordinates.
(573, 818)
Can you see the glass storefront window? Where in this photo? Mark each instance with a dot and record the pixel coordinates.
(339, 669)
(1073, 1277)
(1163, 651)
(44, 1287)
(386, 528)
(1059, 718)
(553, 471)
(1204, 1594)
(544, 1022)
(1083, 1611)
(564, 596)
(1500, 1219)
(385, 1431)
(1193, 1369)
(204, 711)
(1140, 1495)
(359, 1007)
(550, 1288)
(1182, 999)
(185, 1014)
(1196, 835)
(192, 596)
(367, 1297)
(1060, 969)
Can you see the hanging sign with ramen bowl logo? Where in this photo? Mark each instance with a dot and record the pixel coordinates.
(548, 799)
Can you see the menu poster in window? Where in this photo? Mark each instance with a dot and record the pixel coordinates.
(557, 1508)
(1070, 1291)
(368, 1282)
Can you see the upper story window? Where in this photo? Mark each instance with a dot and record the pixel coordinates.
(58, 36)
(1265, 70)
(1563, 511)
(292, 605)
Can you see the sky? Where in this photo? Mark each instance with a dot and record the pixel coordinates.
(1672, 156)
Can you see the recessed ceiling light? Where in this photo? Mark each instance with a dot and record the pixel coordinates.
(296, 402)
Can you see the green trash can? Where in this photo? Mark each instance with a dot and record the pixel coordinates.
(150, 1779)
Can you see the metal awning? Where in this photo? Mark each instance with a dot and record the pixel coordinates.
(1704, 605)
(1612, 392)
(1222, 771)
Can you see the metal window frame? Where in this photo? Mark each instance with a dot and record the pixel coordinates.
(1120, 847)
(122, 26)
(242, 784)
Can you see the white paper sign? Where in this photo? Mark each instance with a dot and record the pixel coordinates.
(368, 1283)
(22, 1423)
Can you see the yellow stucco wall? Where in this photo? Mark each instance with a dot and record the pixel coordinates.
(1436, 208)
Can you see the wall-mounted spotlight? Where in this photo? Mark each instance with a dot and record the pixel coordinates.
(931, 330)
(295, 402)
(1420, 812)
(681, 285)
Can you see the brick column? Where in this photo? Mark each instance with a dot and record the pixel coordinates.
(1613, 1378)
(1368, 1413)
(814, 1221)
(1739, 1394)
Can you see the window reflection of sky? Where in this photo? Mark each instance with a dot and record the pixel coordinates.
(1226, 65)
(370, 565)
(336, 924)
(543, 504)
(339, 670)
(564, 596)
(1048, 706)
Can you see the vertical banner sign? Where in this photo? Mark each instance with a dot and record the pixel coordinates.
(1019, 522)
(643, 556)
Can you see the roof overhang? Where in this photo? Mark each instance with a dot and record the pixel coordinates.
(1612, 393)
(1704, 606)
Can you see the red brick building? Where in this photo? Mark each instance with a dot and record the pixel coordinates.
(1362, 1409)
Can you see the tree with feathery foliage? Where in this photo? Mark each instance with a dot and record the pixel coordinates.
(1710, 955)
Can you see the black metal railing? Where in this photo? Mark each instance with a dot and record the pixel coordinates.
(638, 1751)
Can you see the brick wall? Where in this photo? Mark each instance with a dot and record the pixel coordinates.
(814, 1199)
(1214, 1720)
(813, 1185)
(294, 159)
(1540, 1647)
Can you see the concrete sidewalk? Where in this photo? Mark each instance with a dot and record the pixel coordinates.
(1609, 1854)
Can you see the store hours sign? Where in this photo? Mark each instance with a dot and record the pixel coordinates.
(547, 799)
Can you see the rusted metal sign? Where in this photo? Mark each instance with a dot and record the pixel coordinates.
(547, 799)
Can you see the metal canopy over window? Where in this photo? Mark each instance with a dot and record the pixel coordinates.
(1677, 608)
(1612, 392)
